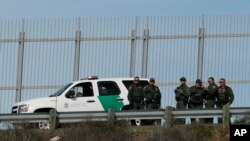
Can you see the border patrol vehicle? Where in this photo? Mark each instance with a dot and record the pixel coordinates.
(89, 94)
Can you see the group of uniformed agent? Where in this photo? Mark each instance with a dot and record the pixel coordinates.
(196, 96)
(148, 97)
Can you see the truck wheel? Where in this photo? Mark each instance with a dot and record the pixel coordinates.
(44, 125)
(52, 117)
(138, 122)
(157, 122)
(129, 122)
(135, 122)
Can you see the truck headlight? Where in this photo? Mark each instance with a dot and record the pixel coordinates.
(23, 108)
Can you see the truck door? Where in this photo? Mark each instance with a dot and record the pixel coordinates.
(109, 95)
(80, 98)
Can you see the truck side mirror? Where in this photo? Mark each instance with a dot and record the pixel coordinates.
(70, 94)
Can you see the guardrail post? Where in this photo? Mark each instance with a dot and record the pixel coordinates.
(111, 117)
(52, 119)
(226, 114)
(169, 118)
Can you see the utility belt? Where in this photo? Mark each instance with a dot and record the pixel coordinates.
(222, 101)
(197, 104)
(210, 99)
(149, 101)
(181, 99)
(137, 99)
(195, 101)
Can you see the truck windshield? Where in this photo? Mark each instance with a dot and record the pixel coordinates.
(60, 91)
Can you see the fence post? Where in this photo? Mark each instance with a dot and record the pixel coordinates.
(200, 52)
(226, 114)
(111, 117)
(145, 53)
(52, 119)
(133, 54)
(169, 118)
(77, 55)
(20, 66)
(77, 52)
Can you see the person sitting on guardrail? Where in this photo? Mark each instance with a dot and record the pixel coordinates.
(181, 96)
(225, 96)
(197, 95)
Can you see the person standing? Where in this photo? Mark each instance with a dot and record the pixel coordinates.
(152, 95)
(197, 95)
(135, 95)
(181, 96)
(210, 98)
(225, 96)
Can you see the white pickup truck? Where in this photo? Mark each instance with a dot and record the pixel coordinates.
(90, 94)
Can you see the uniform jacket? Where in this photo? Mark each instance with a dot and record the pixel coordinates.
(152, 93)
(135, 92)
(212, 92)
(197, 94)
(182, 93)
(225, 95)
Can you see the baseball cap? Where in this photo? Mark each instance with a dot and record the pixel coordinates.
(198, 81)
(152, 80)
(183, 79)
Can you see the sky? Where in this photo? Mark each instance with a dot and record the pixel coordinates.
(13, 9)
(40, 9)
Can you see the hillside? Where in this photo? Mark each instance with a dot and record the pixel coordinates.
(121, 132)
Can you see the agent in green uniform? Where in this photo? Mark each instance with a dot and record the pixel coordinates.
(225, 95)
(181, 96)
(210, 98)
(152, 95)
(197, 95)
(135, 95)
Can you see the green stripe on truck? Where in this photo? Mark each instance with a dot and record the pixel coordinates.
(110, 101)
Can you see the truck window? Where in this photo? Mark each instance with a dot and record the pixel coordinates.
(108, 88)
(127, 83)
(83, 89)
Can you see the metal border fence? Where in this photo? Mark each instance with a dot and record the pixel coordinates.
(39, 55)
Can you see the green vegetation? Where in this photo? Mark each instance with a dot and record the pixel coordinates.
(101, 131)
(245, 120)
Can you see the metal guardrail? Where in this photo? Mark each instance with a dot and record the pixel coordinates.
(132, 115)
(197, 113)
(35, 117)
(82, 116)
(239, 111)
(168, 114)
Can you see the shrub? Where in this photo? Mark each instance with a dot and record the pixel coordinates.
(245, 120)
(203, 132)
(177, 133)
(96, 131)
